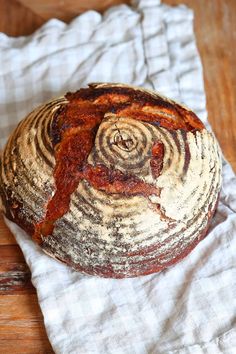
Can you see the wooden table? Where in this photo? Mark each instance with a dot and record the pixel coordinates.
(21, 322)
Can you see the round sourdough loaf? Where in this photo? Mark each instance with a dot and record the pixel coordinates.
(113, 180)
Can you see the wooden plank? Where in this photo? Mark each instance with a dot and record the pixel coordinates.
(15, 276)
(11, 253)
(6, 237)
(67, 9)
(19, 307)
(18, 20)
(22, 346)
(21, 326)
(15, 279)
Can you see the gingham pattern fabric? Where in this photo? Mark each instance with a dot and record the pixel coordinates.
(189, 308)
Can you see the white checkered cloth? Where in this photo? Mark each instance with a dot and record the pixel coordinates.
(189, 308)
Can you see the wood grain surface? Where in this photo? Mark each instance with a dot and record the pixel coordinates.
(21, 322)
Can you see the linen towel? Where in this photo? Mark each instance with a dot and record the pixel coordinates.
(188, 308)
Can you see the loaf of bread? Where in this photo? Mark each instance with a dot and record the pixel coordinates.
(113, 180)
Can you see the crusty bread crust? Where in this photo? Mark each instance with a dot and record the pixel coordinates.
(113, 180)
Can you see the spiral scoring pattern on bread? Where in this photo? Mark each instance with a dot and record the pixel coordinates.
(142, 212)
